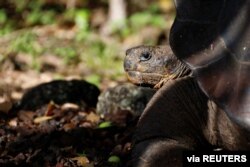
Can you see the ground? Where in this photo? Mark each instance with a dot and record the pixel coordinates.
(37, 52)
(58, 135)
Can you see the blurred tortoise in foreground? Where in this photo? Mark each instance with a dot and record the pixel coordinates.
(209, 109)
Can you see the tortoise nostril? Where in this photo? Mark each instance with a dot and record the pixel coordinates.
(127, 65)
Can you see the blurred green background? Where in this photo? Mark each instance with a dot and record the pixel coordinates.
(41, 40)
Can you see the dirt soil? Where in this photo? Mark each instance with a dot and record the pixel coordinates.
(65, 135)
(55, 135)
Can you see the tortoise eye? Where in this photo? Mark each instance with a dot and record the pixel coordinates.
(145, 56)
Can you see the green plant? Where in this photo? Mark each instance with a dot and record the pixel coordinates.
(114, 159)
(139, 20)
(82, 19)
(37, 15)
(6, 25)
(27, 43)
(102, 58)
(69, 54)
(94, 79)
(105, 124)
(82, 22)
(6, 28)
(3, 16)
(40, 17)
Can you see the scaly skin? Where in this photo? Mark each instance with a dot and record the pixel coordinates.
(153, 65)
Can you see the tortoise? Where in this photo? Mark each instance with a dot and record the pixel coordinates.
(210, 108)
(213, 129)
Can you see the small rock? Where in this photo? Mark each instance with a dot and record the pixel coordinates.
(79, 92)
(69, 106)
(118, 103)
(13, 122)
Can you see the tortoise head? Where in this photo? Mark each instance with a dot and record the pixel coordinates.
(148, 65)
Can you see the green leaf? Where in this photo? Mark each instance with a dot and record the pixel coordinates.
(105, 124)
(114, 159)
(141, 19)
(94, 79)
(82, 18)
(3, 16)
(69, 54)
(48, 17)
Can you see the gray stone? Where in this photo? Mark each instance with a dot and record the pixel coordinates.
(118, 103)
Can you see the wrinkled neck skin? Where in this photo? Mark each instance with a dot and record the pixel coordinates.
(182, 70)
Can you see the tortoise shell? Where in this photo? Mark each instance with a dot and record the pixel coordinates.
(213, 38)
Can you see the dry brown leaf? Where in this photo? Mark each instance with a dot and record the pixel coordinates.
(69, 126)
(51, 106)
(82, 161)
(92, 117)
(68, 106)
(26, 115)
(38, 120)
(13, 122)
(5, 106)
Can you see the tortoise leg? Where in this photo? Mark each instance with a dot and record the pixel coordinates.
(159, 152)
(172, 122)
